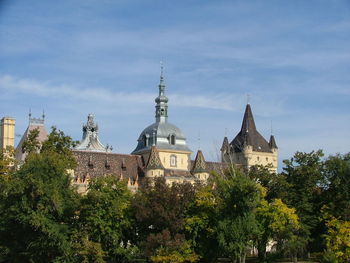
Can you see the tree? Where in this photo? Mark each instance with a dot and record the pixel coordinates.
(104, 217)
(337, 194)
(303, 190)
(338, 239)
(160, 212)
(276, 221)
(200, 223)
(238, 197)
(40, 206)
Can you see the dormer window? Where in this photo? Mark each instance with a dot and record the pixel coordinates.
(146, 140)
(172, 139)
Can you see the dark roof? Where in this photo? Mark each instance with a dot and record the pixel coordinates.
(199, 165)
(154, 160)
(272, 142)
(102, 163)
(249, 135)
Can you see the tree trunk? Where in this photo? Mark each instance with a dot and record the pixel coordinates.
(262, 250)
(243, 257)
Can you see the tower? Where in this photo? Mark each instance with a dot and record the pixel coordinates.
(249, 147)
(166, 141)
(7, 132)
(34, 123)
(90, 140)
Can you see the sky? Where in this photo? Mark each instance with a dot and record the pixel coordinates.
(75, 57)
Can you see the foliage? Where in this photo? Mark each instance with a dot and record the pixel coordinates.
(171, 254)
(104, 217)
(238, 197)
(31, 144)
(38, 210)
(276, 221)
(303, 190)
(200, 224)
(160, 212)
(338, 239)
(337, 194)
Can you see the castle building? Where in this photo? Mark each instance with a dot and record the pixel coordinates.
(7, 132)
(249, 147)
(34, 123)
(161, 151)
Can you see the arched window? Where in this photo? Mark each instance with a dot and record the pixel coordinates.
(173, 160)
(172, 139)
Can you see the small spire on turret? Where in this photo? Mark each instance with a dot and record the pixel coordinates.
(43, 115)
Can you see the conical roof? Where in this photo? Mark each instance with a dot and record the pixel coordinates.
(272, 142)
(154, 160)
(249, 135)
(225, 145)
(199, 165)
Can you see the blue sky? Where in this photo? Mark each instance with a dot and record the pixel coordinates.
(74, 57)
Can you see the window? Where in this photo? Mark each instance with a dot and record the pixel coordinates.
(145, 140)
(172, 139)
(173, 161)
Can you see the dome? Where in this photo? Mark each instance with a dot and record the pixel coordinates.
(163, 135)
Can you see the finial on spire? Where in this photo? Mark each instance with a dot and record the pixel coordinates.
(199, 140)
(30, 113)
(225, 132)
(161, 69)
(248, 98)
(271, 128)
(43, 115)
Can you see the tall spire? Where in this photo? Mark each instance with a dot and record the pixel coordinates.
(161, 100)
(248, 124)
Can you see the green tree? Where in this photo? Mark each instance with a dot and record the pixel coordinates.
(31, 144)
(337, 194)
(238, 197)
(160, 211)
(276, 221)
(303, 190)
(104, 218)
(200, 223)
(338, 239)
(39, 207)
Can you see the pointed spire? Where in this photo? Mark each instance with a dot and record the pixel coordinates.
(154, 160)
(248, 124)
(272, 142)
(161, 100)
(199, 165)
(225, 145)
